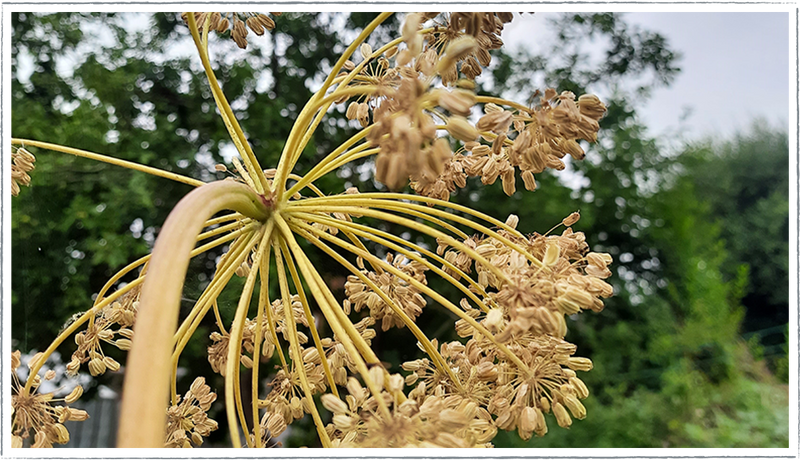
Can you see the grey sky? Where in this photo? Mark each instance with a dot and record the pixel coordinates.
(735, 68)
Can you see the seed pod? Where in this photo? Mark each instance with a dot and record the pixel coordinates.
(580, 364)
(512, 220)
(96, 366)
(529, 181)
(571, 219)
(266, 21)
(111, 364)
(255, 25)
(527, 423)
(580, 388)
(544, 403)
(461, 129)
(562, 417)
(366, 51)
(575, 407)
(73, 396)
(333, 404)
(376, 374)
(457, 50)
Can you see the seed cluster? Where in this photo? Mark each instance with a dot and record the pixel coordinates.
(37, 413)
(187, 420)
(22, 162)
(237, 23)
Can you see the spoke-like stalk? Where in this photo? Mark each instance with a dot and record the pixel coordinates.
(233, 397)
(330, 309)
(384, 238)
(399, 197)
(233, 259)
(412, 326)
(110, 160)
(321, 168)
(228, 117)
(422, 287)
(402, 206)
(286, 162)
(413, 225)
(298, 285)
(146, 387)
(297, 361)
(208, 298)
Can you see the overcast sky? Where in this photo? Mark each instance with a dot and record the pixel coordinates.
(735, 68)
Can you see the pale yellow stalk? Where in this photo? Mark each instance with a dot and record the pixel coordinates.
(146, 387)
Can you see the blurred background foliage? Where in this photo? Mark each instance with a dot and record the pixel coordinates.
(690, 352)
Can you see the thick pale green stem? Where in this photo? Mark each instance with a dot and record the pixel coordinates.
(146, 388)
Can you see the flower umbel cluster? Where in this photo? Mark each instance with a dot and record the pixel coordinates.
(36, 413)
(414, 104)
(22, 162)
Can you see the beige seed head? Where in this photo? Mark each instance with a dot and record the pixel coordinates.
(527, 423)
(111, 363)
(512, 220)
(50, 375)
(376, 375)
(571, 219)
(16, 442)
(575, 407)
(458, 101)
(529, 181)
(77, 415)
(73, 395)
(544, 403)
(461, 129)
(96, 367)
(62, 435)
(123, 344)
(552, 253)
(562, 417)
(333, 404)
(352, 111)
(579, 364)
(457, 50)
(366, 51)
(267, 21)
(344, 422)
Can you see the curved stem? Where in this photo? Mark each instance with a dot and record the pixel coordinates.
(146, 387)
